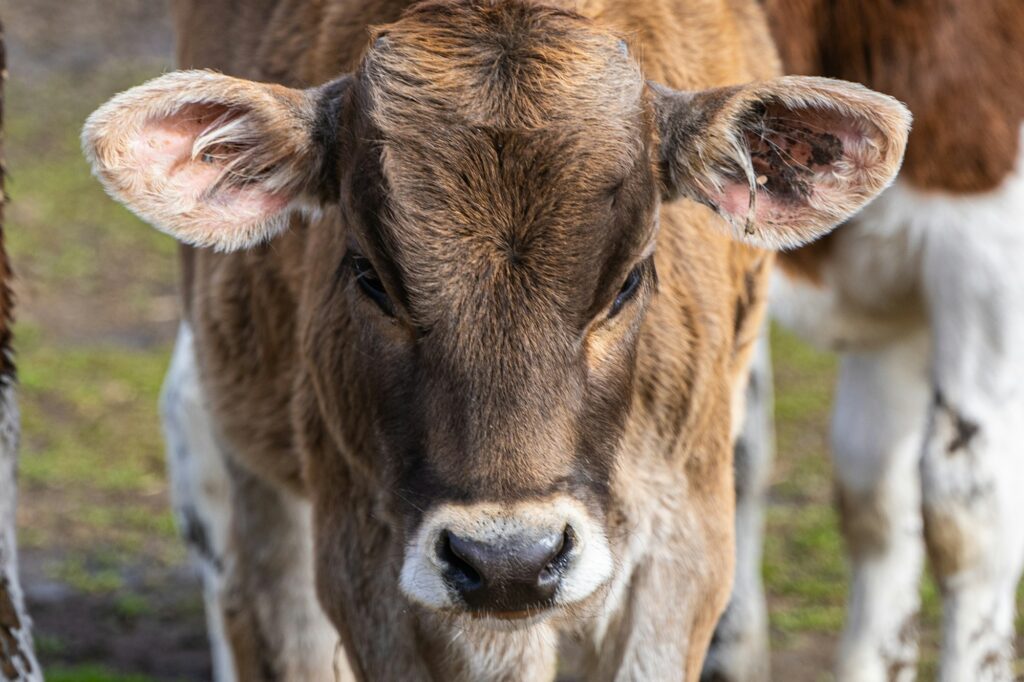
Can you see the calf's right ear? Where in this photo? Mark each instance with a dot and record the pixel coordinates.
(212, 160)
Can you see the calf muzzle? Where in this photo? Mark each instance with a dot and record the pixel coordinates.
(509, 576)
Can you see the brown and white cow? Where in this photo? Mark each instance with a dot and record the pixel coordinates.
(922, 295)
(447, 356)
(17, 659)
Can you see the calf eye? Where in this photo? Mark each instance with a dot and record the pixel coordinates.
(370, 284)
(628, 290)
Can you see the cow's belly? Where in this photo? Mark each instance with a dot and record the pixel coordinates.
(872, 278)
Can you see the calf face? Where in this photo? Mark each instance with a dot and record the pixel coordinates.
(488, 185)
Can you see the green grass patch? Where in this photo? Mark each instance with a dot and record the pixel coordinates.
(88, 576)
(90, 673)
(92, 446)
(89, 417)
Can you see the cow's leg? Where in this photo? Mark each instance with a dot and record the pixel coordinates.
(877, 432)
(17, 661)
(274, 622)
(252, 542)
(200, 491)
(739, 648)
(973, 464)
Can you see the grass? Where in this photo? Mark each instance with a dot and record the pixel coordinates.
(90, 673)
(90, 356)
(96, 293)
(78, 238)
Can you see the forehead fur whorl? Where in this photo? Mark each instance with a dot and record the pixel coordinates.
(499, 64)
(503, 127)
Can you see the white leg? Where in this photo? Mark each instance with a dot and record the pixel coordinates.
(739, 649)
(973, 465)
(877, 432)
(17, 660)
(253, 543)
(200, 490)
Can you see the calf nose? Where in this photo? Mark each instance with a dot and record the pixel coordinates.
(508, 575)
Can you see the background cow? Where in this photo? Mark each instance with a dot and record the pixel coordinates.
(921, 293)
(17, 659)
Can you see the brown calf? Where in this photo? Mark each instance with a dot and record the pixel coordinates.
(443, 308)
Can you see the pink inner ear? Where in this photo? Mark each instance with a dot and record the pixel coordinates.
(161, 158)
(164, 149)
(734, 200)
(802, 158)
(792, 150)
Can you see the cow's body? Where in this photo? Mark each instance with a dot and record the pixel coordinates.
(921, 294)
(17, 658)
(358, 448)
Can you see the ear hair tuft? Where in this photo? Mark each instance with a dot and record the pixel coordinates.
(213, 160)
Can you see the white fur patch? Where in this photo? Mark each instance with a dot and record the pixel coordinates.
(17, 651)
(200, 490)
(301, 641)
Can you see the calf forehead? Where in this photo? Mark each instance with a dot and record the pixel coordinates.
(507, 65)
(508, 212)
(503, 133)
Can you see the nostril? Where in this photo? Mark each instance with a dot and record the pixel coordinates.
(460, 570)
(552, 571)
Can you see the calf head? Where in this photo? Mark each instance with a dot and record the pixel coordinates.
(489, 182)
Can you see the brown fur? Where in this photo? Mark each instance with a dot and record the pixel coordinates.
(493, 170)
(951, 62)
(948, 549)
(6, 293)
(10, 644)
(864, 523)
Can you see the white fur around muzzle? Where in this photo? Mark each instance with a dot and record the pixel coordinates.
(590, 566)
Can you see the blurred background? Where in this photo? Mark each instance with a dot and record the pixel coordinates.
(107, 580)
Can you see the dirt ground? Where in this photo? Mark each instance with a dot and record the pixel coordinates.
(108, 582)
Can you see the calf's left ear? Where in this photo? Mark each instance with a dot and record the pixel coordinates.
(783, 161)
(213, 160)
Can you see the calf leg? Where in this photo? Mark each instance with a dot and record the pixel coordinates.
(877, 432)
(17, 661)
(973, 505)
(253, 545)
(973, 465)
(739, 648)
(200, 492)
(275, 625)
